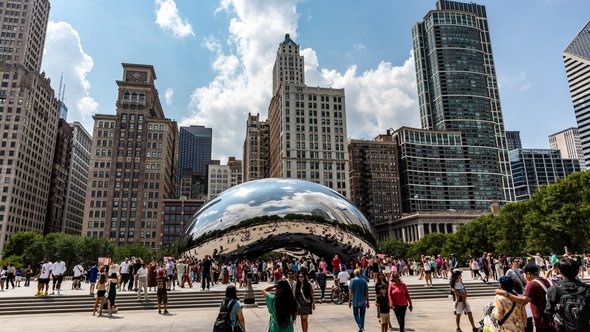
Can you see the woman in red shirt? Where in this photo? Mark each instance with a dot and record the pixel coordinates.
(399, 299)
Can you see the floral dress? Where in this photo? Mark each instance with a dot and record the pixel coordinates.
(516, 321)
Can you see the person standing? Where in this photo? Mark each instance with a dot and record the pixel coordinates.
(142, 283)
(19, 276)
(92, 276)
(234, 307)
(43, 277)
(206, 273)
(161, 283)
(170, 271)
(152, 267)
(101, 289)
(28, 275)
(320, 278)
(511, 315)
(124, 271)
(112, 287)
(78, 271)
(383, 308)
(460, 299)
(281, 306)
(59, 268)
(304, 298)
(335, 266)
(399, 300)
(358, 299)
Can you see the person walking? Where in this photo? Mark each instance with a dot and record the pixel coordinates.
(281, 306)
(460, 300)
(320, 278)
(383, 309)
(232, 305)
(399, 300)
(304, 297)
(358, 299)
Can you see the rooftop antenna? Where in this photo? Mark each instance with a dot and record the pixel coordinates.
(60, 80)
(63, 94)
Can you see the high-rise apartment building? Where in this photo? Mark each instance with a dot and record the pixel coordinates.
(193, 161)
(513, 140)
(576, 57)
(133, 164)
(375, 182)
(533, 168)
(236, 168)
(77, 180)
(256, 147)
(307, 125)
(54, 220)
(28, 118)
(458, 91)
(569, 144)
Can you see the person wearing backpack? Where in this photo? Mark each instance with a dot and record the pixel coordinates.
(231, 316)
(568, 302)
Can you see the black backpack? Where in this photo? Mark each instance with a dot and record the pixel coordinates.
(223, 321)
(572, 312)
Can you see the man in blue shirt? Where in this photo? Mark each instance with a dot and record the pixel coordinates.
(358, 298)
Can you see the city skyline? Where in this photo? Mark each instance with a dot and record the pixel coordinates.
(228, 50)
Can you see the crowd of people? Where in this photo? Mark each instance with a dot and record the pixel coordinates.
(530, 293)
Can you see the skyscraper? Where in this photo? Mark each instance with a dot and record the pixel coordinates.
(28, 118)
(307, 125)
(222, 177)
(132, 167)
(256, 147)
(513, 140)
(577, 67)
(458, 91)
(59, 178)
(568, 143)
(77, 180)
(193, 160)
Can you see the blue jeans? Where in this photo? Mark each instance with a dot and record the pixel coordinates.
(359, 317)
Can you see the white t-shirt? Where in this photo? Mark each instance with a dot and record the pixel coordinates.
(78, 270)
(46, 270)
(124, 268)
(343, 277)
(142, 273)
(59, 268)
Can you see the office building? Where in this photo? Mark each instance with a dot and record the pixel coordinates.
(54, 220)
(236, 168)
(193, 160)
(458, 92)
(307, 125)
(176, 216)
(577, 67)
(375, 182)
(513, 140)
(532, 168)
(132, 167)
(256, 146)
(77, 180)
(569, 145)
(28, 118)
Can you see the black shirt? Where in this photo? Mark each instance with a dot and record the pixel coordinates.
(383, 303)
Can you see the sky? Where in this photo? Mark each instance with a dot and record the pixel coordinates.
(213, 59)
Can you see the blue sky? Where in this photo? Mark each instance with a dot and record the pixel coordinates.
(214, 59)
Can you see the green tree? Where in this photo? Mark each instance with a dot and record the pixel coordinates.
(430, 244)
(18, 242)
(394, 247)
(132, 250)
(90, 248)
(17, 261)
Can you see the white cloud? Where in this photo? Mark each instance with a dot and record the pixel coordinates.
(359, 47)
(63, 53)
(515, 81)
(168, 95)
(376, 99)
(168, 18)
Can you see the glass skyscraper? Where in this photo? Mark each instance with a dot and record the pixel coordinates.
(577, 66)
(193, 161)
(458, 91)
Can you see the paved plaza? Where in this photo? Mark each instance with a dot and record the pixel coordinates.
(428, 315)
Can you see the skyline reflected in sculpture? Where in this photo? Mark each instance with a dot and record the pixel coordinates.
(260, 216)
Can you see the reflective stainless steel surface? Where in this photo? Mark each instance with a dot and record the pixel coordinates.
(263, 215)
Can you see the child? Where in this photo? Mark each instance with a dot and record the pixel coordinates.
(161, 283)
(382, 304)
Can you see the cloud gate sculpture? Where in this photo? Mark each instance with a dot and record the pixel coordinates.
(290, 215)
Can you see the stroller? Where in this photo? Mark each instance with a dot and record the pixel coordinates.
(488, 324)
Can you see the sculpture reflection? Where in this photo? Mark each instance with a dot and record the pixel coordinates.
(260, 216)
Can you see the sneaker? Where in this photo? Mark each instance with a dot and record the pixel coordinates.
(166, 312)
(159, 311)
(44, 294)
(37, 293)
